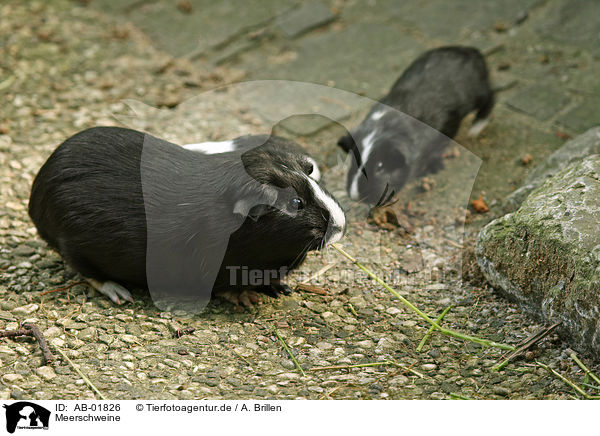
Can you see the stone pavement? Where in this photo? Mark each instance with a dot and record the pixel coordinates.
(544, 57)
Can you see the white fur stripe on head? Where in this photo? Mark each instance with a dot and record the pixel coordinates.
(367, 147)
(212, 147)
(377, 115)
(337, 219)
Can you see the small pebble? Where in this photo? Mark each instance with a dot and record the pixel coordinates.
(46, 373)
(502, 391)
(12, 378)
(26, 310)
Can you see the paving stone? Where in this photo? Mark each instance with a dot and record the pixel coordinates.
(207, 25)
(541, 100)
(365, 58)
(582, 81)
(308, 16)
(306, 124)
(276, 101)
(574, 22)
(460, 17)
(501, 170)
(111, 6)
(232, 50)
(575, 150)
(582, 117)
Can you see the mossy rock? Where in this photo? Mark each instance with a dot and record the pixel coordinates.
(546, 255)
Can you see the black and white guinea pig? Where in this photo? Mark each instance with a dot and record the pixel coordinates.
(284, 147)
(390, 148)
(125, 208)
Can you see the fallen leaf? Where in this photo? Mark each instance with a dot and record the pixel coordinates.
(389, 218)
(562, 135)
(500, 27)
(479, 205)
(185, 6)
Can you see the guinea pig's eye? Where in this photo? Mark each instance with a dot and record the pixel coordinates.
(296, 204)
(379, 166)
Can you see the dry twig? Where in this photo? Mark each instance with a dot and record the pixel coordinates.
(524, 345)
(64, 288)
(312, 289)
(33, 331)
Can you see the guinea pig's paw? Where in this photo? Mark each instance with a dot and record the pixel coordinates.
(112, 290)
(249, 298)
(246, 298)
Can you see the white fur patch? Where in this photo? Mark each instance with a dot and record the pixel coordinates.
(477, 127)
(337, 219)
(367, 148)
(377, 115)
(212, 147)
(226, 146)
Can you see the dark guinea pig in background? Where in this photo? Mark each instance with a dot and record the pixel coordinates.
(390, 148)
(125, 208)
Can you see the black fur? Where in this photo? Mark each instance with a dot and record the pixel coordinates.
(285, 149)
(439, 89)
(89, 203)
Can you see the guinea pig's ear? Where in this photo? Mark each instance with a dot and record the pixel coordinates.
(346, 143)
(257, 211)
(255, 201)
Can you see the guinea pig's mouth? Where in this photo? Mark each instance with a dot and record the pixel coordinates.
(377, 198)
(332, 235)
(386, 197)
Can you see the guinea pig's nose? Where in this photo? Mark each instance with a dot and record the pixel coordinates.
(334, 233)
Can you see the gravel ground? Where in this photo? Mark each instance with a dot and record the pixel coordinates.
(64, 68)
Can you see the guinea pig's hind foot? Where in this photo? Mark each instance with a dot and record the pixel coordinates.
(477, 127)
(112, 290)
(246, 298)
